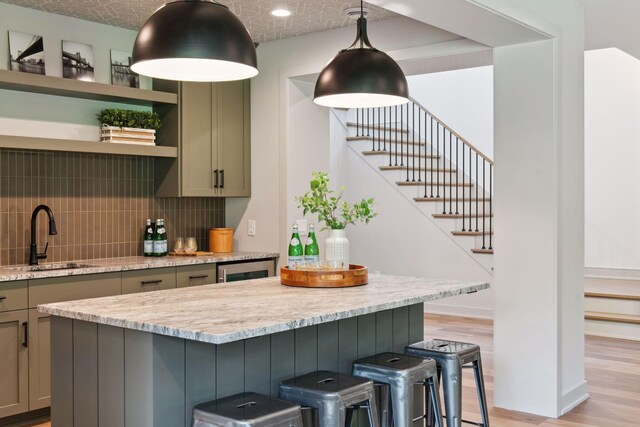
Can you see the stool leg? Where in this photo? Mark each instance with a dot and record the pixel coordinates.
(451, 383)
(372, 410)
(349, 418)
(332, 415)
(402, 403)
(482, 394)
(435, 404)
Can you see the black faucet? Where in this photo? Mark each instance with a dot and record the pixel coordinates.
(34, 256)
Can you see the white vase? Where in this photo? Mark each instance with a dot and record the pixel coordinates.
(336, 249)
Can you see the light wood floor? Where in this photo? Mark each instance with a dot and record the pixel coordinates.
(613, 374)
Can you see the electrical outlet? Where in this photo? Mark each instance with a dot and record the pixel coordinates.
(303, 227)
(251, 227)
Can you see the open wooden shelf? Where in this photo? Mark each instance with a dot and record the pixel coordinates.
(58, 86)
(53, 144)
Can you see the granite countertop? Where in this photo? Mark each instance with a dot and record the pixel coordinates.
(94, 266)
(224, 313)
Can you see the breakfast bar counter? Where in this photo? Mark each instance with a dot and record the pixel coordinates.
(146, 359)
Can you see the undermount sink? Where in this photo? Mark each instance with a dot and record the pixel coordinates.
(51, 267)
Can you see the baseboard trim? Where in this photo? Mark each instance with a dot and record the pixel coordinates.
(573, 398)
(611, 336)
(459, 310)
(612, 273)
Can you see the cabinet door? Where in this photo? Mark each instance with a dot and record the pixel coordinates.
(155, 279)
(195, 275)
(14, 370)
(198, 147)
(234, 139)
(39, 360)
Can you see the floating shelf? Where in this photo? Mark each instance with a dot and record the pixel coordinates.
(58, 86)
(52, 144)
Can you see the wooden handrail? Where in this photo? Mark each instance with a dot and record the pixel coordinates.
(456, 134)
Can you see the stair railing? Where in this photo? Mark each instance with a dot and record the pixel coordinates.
(422, 145)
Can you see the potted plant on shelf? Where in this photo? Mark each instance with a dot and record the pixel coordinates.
(336, 214)
(129, 126)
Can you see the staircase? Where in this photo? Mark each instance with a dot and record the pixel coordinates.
(612, 307)
(440, 172)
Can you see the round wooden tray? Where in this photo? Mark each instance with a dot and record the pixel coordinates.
(357, 275)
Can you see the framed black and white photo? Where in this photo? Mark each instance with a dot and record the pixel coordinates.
(77, 61)
(26, 52)
(121, 74)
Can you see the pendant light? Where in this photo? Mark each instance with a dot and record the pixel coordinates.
(361, 76)
(194, 40)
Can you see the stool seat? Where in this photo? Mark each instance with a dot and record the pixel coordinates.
(334, 395)
(401, 373)
(451, 356)
(247, 410)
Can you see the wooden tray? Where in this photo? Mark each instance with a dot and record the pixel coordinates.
(357, 275)
(198, 253)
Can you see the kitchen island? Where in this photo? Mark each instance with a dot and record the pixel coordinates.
(146, 359)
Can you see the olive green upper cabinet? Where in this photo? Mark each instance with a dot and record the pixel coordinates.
(211, 127)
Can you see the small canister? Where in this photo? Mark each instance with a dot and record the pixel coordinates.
(221, 240)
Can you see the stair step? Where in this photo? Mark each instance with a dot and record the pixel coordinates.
(459, 216)
(388, 141)
(429, 184)
(404, 155)
(471, 233)
(404, 168)
(621, 289)
(442, 199)
(353, 125)
(612, 317)
(482, 251)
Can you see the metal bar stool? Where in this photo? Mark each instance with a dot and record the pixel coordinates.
(451, 357)
(334, 395)
(247, 410)
(401, 373)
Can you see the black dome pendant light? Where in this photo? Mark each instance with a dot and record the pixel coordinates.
(194, 40)
(361, 76)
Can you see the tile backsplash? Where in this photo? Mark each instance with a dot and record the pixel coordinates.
(100, 203)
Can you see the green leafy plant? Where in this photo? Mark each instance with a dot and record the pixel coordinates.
(130, 118)
(326, 203)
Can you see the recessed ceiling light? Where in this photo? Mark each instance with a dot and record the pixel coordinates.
(281, 13)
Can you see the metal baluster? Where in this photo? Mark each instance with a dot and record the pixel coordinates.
(484, 192)
(373, 129)
(457, 175)
(438, 159)
(431, 180)
(396, 132)
(450, 180)
(490, 206)
(470, 189)
(413, 133)
(464, 191)
(384, 132)
(368, 122)
(401, 136)
(357, 122)
(419, 147)
(378, 126)
(477, 192)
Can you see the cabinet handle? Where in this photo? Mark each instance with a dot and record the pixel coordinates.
(215, 178)
(150, 282)
(2, 298)
(221, 178)
(204, 276)
(25, 343)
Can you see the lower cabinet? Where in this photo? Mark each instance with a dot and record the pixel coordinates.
(39, 360)
(156, 279)
(14, 357)
(196, 275)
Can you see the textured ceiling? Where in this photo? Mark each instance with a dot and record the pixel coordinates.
(308, 15)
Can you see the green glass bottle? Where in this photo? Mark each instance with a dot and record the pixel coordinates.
(311, 249)
(296, 253)
(159, 239)
(147, 238)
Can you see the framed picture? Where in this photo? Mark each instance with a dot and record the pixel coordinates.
(26, 53)
(77, 61)
(121, 74)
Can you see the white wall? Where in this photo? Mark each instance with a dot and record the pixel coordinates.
(462, 99)
(53, 116)
(612, 132)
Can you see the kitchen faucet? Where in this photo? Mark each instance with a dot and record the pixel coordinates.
(34, 256)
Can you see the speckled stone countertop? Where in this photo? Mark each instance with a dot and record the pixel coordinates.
(94, 266)
(224, 313)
